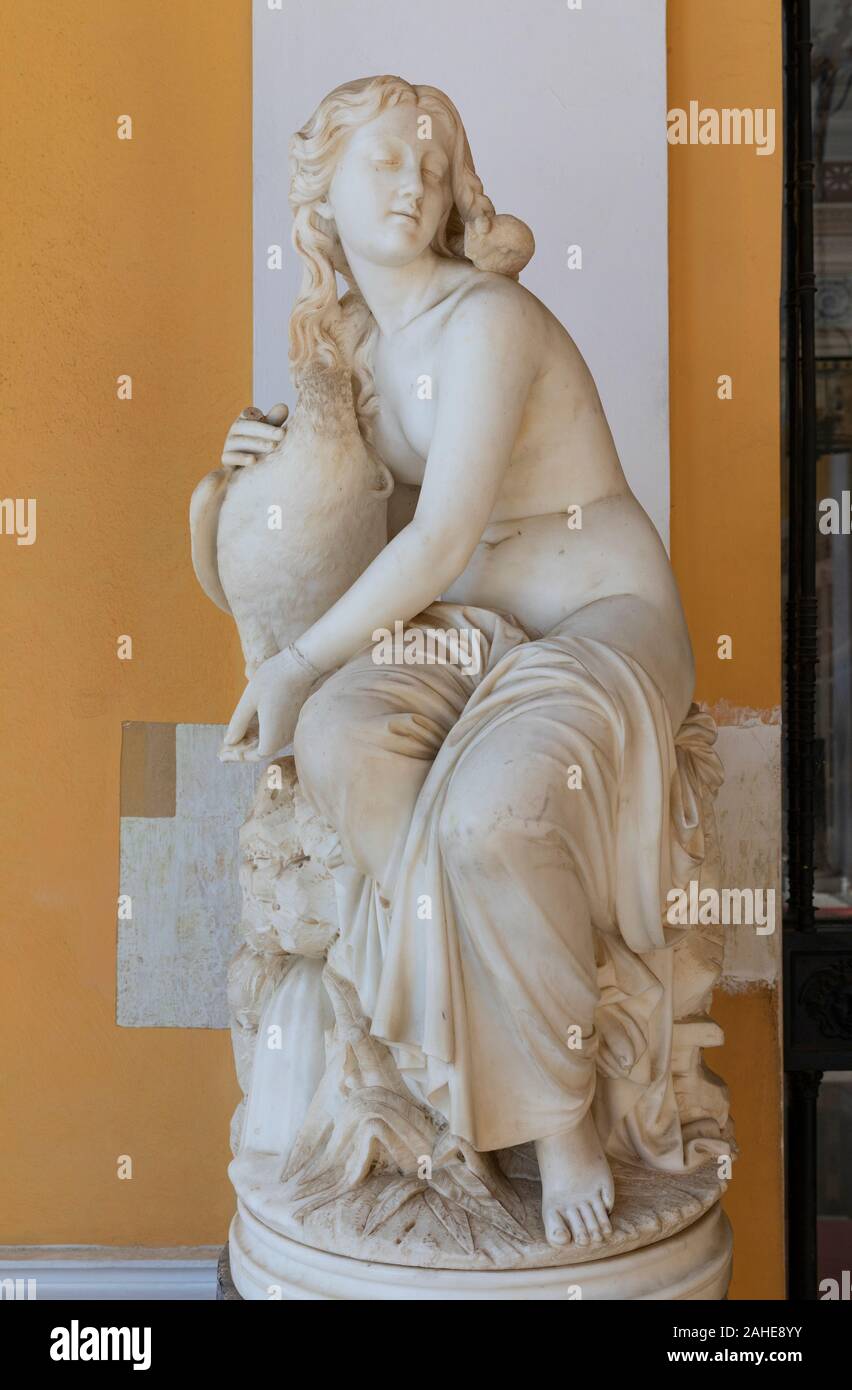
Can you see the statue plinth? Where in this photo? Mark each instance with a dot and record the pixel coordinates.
(694, 1263)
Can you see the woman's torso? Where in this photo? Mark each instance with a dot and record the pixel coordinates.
(566, 537)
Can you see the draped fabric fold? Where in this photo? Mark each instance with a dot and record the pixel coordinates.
(495, 960)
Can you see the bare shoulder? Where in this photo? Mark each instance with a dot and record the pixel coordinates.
(496, 310)
(492, 299)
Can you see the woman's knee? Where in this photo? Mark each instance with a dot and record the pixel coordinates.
(500, 802)
(360, 785)
(478, 829)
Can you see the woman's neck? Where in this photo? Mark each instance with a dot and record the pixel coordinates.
(395, 295)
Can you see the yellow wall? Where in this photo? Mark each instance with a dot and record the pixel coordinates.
(123, 257)
(135, 257)
(724, 287)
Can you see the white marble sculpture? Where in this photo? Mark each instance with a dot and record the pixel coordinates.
(470, 1043)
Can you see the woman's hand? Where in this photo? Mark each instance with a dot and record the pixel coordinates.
(273, 697)
(254, 435)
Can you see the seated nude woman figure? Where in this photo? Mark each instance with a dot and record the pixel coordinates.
(486, 470)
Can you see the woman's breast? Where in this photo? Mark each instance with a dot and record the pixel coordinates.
(403, 442)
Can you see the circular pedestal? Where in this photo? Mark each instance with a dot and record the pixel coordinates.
(694, 1263)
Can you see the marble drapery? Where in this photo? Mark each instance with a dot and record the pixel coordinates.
(493, 913)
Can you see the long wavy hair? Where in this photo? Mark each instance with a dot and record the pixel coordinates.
(330, 332)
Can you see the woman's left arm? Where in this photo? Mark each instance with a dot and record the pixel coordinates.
(488, 362)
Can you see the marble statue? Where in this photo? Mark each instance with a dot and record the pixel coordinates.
(470, 1043)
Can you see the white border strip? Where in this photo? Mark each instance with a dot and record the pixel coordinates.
(91, 1273)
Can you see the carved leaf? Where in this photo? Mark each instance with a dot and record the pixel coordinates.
(407, 1118)
(351, 1023)
(478, 1173)
(394, 1197)
(453, 1220)
(472, 1195)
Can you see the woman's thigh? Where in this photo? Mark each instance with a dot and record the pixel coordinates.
(364, 744)
(654, 635)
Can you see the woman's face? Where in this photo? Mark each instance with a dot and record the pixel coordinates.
(391, 188)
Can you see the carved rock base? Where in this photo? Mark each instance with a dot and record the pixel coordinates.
(695, 1263)
(650, 1206)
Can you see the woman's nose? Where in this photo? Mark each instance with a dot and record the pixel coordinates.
(411, 182)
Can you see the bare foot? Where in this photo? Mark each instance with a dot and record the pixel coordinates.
(577, 1192)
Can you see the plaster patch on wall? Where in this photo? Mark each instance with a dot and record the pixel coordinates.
(147, 769)
(742, 715)
(748, 811)
(180, 872)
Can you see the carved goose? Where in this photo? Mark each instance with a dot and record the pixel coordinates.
(276, 543)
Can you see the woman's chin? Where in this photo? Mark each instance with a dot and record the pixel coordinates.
(399, 245)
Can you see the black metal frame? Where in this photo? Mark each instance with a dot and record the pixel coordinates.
(817, 952)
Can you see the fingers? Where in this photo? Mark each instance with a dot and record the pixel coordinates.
(242, 716)
(276, 416)
(257, 429)
(234, 459)
(253, 435)
(243, 752)
(243, 444)
(250, 440)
